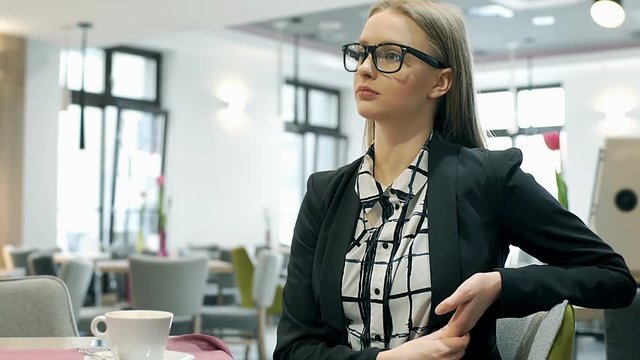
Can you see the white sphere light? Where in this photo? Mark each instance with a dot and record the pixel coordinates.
(607, 13)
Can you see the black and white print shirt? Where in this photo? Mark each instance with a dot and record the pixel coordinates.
(386, 284)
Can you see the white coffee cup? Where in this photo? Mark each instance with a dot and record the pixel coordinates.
(135, 334)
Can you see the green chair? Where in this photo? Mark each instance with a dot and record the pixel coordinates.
(248, 324)
(243, 268)
(543, 335)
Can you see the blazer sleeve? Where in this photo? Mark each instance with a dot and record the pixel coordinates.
(580, 266)
(302, 334)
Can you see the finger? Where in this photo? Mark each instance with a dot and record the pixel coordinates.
(459, 322)
(458, 356)
(460, 296)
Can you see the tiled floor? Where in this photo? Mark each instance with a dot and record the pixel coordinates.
(588, 348)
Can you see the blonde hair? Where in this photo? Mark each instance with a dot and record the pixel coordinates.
(444, 24)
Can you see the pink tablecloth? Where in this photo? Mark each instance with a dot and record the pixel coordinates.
(203, 347)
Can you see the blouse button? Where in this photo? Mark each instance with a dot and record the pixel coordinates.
(377, 338)
(397, 206)
(385, 245)
(376, 291)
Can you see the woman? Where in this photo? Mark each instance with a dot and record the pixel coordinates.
(399, 255)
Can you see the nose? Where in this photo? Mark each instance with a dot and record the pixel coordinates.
(367, 68)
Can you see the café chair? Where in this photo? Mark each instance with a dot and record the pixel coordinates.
(170, 284)
(6, 256)
(35, 306)
(244, 270)
(19, 258)
(77, 275)
(544, 335)
(42, 263)
(620, 326)
(250, 321)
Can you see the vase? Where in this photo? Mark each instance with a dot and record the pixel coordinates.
(162, 250)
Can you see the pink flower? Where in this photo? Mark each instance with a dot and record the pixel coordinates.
(160, 180)
(552, 139)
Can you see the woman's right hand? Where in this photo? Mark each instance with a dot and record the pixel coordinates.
(430, 347)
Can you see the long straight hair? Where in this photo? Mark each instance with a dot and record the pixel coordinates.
(456, 117)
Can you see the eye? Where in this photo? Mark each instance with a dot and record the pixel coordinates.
(355, 54)
(390, 55)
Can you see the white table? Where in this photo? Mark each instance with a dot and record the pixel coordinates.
(10, 273)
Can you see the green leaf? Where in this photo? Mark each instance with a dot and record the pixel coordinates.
(562, 190)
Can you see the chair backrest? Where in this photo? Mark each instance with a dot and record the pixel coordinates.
(620, 326)
(176, 285)
(35, 306)
(6, 256)
(19, 258)
(243, 270)
(543, 335)
(266, 278)
(41, 263)
(77, 274)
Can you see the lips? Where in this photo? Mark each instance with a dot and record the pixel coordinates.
(366, 93)
(366, 90)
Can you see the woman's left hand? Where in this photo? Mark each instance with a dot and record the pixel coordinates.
(470, 301)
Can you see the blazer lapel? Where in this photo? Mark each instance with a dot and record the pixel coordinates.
(443, 226)
(342, 231)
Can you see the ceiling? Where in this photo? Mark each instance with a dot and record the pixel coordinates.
(125, 21)
(573, 32)
(324, 25)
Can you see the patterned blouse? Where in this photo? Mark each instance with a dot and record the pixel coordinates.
(386, 284)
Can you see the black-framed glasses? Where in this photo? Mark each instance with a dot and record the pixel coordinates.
(387, 57)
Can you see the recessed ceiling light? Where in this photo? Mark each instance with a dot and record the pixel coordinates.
(491, 11)
(280, 24)
(330, 25)
(543, 20)
(523, 5)
(608, 13)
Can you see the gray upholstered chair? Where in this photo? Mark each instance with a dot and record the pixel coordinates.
(620, 326)
(19, 258)
(42, 263)
(35, 306)
(77, 274)
(170, 284)
(252, 320)
(543, 335)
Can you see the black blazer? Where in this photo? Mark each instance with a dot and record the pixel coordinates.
(479, 202)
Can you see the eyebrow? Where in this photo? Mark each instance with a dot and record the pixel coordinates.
(364, 42)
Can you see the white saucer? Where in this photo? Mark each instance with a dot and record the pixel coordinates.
(168, 355)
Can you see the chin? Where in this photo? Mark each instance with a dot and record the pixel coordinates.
(368, 111)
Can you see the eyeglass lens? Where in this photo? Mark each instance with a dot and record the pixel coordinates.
(387, 58)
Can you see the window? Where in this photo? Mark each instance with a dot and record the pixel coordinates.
(104, 188)
(312, 142)
(519, 121)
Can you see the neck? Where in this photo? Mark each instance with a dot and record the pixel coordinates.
(396, 148)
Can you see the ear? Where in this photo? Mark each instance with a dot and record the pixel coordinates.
(442, 83)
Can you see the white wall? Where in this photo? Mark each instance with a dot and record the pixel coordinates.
(591, 82)
(221, 176)
(43, 100)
